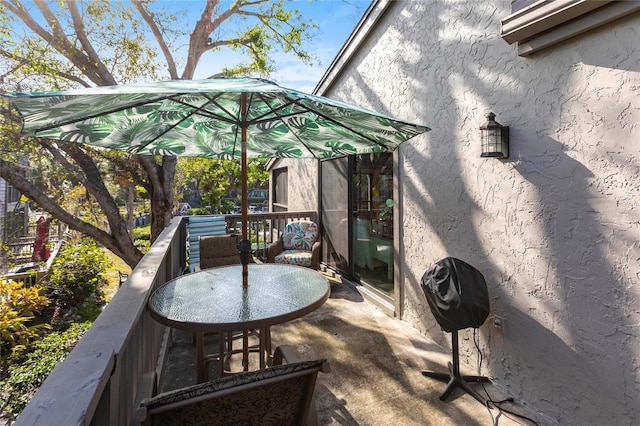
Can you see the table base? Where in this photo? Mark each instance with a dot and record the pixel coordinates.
(226, 351)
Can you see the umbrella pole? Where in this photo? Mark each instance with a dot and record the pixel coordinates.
(245, 245)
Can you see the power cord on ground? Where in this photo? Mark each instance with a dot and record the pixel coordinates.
(490, 400)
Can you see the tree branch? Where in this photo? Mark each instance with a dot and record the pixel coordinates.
(161, 180)
(149, 19)
(198, 39)
(266, 22)
(56, 38)
(78, 26)
(76, 175)
(24, 61)
(92, 180)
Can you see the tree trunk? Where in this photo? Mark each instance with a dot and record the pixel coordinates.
(161, 179)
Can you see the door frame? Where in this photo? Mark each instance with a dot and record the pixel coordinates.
(391, 306)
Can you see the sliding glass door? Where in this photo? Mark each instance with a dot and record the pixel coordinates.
(372, 252)
(357, 218)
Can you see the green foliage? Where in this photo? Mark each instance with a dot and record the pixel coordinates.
(200, 211)
(77, 273)
(78, 268)
(142, 232)
(227, 206)
(215, 178)
(257, 173)
(142, 245)
(108, 28)
(275, 28)
(88, 312)
(142, 238)
(23, 380)
(18, 306)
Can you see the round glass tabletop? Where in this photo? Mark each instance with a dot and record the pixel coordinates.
(215, 300)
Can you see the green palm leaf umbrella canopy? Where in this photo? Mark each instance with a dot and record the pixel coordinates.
(225, 118)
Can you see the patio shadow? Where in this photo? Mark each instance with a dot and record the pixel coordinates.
(376, 363)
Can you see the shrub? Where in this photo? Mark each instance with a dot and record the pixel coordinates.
(77, 273)
(227, 206)
(142, 233)
(23, 380)
(200, 211)
(142, 245)
(142, 238)
(18, 306)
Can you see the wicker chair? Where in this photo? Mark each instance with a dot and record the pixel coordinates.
(218, 250)
(298, 245)
(279, 395)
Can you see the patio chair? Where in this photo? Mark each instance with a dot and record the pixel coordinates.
(278, 395)
(299, 244)
(218, 250)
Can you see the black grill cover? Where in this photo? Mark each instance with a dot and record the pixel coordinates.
(457, 294)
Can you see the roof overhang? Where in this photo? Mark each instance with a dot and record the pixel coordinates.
(548, 22)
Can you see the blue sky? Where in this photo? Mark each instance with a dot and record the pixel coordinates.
(336, 20)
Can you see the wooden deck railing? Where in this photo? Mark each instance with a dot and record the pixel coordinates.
(99, 381)
(113, 364)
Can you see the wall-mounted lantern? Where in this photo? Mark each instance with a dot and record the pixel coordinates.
(494, 138)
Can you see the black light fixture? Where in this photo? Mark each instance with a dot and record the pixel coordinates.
(494, 138)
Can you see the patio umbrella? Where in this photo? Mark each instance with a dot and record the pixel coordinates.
(226, 118)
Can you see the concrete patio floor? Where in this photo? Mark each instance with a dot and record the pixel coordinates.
(376, 363)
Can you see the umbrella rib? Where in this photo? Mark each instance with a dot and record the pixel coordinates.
(231, 119)
(244, 122)
(213, 100)
(326, 117)
(174, 98)
(319, 113)
(261, 119)
(280, 117)
(196, 110)
(282, 106)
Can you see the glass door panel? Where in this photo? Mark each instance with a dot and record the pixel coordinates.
(372, 255)
(335, 216)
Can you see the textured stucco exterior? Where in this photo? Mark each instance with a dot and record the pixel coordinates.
(555, 228)
(303, 183)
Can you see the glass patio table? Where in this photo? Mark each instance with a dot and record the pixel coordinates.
(214, 300)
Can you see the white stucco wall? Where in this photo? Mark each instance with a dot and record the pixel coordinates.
(303, 183)
(555, 228)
